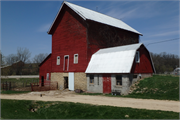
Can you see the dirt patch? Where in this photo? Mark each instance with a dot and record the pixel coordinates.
(71, 96)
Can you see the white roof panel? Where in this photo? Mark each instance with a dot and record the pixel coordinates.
(99, 17)
(113, 60)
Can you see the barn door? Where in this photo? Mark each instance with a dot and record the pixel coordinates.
(71, 81)
(106, 83)
(66, 63)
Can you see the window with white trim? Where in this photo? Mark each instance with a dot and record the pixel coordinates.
(75, 58)
(137, 58)
(58, 60)
(47, 76)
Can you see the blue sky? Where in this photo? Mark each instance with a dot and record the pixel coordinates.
(25, 23)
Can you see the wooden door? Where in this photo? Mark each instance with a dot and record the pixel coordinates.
(106, 83)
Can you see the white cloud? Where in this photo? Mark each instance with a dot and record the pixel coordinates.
(44, 28)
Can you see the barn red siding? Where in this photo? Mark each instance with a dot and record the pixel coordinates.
(104, 36)
(145, 65)
(45, 68)
(69, 38)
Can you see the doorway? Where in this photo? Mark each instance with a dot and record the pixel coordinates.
(106, 83)
(65, 82)
(42, 80)
(66, 62)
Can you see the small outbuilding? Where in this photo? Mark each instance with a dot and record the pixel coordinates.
(117, 68)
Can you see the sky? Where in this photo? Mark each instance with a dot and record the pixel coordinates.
(25, 23)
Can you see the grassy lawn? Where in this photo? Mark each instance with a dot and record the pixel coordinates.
(22, 109)
(20, 80)
(156, 87)
(13, 92)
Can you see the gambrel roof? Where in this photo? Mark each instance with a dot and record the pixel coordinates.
(88, 14)
(114, 60)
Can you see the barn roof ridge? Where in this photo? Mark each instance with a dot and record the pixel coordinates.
(88, 14)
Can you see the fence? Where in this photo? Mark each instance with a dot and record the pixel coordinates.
(47, 85)
(18, 86)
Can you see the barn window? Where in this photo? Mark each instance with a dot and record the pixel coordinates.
(118, 80)
(92, 79)
(58, 60)
(47, 76)
(75, 58)
(137, 58)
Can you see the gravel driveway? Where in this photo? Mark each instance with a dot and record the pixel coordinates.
(71, 96)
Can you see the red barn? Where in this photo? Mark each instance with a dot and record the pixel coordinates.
(77, 33)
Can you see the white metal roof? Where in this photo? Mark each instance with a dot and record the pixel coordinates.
(98, 17)
(113, 60)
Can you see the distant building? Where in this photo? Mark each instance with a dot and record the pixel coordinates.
(78, 34)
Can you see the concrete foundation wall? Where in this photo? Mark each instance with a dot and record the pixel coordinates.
(80, 81)
(126, 83)
(97, 87)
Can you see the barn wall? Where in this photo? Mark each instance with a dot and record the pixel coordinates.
(95, 87)
(104, 36)
(45, 68)
(145, 63)
(69, 38)
(79, 80)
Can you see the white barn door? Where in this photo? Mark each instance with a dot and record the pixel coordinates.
(71, 81)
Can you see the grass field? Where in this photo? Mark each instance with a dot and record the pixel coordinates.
(156, 87)
(22, 109)
(20, 80)
(14, 92)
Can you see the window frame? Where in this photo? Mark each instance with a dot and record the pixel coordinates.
(58, 63)
(77, 58)
(137, 57)
(120, 80)
(91, 79)
(47, 76)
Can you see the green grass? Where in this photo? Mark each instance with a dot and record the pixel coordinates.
(21, 109)
(14, 92)
(20, 80)
(156, 87)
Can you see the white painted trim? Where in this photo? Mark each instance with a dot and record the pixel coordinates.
(77, 58)
(138, 55)
(71, 80)
(67, 64)
(47, 76)
(58, 63)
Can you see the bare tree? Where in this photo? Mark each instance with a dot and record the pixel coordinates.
(10, 59)
(2, 61)
(39, 58)
(23, 54)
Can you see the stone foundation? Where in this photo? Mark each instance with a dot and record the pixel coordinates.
(80, 81)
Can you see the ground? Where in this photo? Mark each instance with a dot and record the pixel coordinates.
(71, 96)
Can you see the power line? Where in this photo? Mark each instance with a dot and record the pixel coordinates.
(162, 41)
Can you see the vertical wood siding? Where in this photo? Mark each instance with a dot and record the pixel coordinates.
(45, 68)
(69, 38)
(145, 65)
(104, 36)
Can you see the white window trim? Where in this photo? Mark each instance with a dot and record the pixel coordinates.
(137, 55)
(67, 64)
(47, 76)
(59, 60)
(77, 58)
